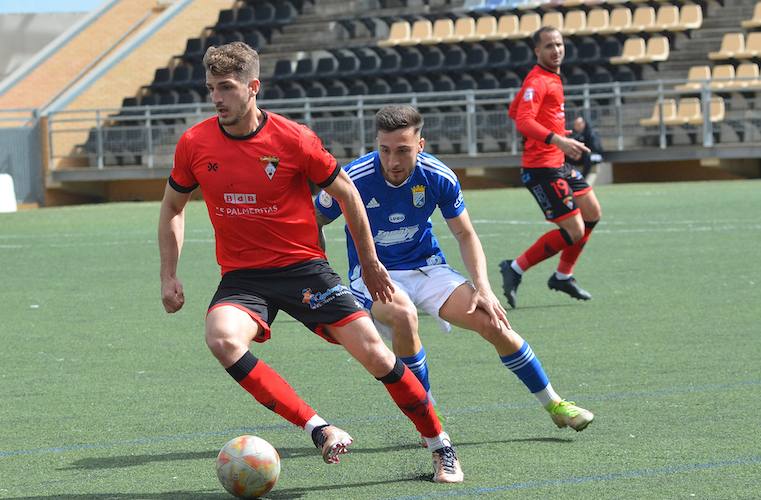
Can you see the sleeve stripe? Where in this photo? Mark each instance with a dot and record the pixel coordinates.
(327, 182)
(179, 187)
(432, 165)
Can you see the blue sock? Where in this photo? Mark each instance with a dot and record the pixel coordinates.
(418, 364)
(527, 367)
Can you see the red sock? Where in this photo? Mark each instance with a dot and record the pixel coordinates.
(570, 255)
(545, 247)
(409, 395)
(269, 388)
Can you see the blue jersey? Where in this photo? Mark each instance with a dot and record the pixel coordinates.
(400, 215)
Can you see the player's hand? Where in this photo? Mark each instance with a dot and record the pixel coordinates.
(571, 147)
(486, 300)
(172, 295)
(378, 282)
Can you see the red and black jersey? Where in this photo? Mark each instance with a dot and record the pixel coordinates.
(256, 190)
(539, 110)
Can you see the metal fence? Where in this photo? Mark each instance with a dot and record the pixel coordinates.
(20, 153)
(469, 123)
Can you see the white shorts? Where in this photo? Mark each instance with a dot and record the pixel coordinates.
(427, 287)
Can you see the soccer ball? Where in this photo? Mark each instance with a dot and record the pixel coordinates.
(248, 466)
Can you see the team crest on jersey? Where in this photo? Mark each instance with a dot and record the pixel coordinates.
(418, 196)
(528, 94)
(271, 166)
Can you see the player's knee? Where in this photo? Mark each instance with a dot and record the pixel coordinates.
(404, 320)
(221, 344)
(574, 232)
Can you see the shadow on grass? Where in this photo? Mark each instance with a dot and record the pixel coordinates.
(118, 462)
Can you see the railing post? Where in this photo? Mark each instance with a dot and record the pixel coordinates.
(513, 129)
(98, 139)
(361, 127)
(661, 123)
(149, 136)
(619, 116)
(470, 123)
(705, 110)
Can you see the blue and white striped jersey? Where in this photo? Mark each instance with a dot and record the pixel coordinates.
(400, 215)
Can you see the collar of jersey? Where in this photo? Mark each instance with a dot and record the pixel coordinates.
(548, 70)
(247, 136)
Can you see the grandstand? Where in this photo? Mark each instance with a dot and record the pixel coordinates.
(672, 86)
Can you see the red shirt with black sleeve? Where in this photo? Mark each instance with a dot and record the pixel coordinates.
(256, 190)
(539, 111)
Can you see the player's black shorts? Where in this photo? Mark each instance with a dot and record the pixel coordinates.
(311, 292)
(555, 189)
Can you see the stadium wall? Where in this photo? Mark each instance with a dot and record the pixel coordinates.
(20, 158)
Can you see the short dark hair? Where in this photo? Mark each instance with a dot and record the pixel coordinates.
(397, 116)
(537, 36)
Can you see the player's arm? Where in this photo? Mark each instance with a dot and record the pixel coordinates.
(473, 257)
(171, 234)
(374, 274)
(528, 126)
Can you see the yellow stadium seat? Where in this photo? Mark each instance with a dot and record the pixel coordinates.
(669, 112)
(575, 21)
(657, 50)
(644, 18)
(696, 76)
(507, 27)
(746, 77)
(464, 28)
(620, 20)
(731, 44)
(755, 20)
(690, 17)
(752, 46)
(666, 20)
(554, 19)
(529, 23)
(442, 32)
(721, 76)
(399, 31)
(422, 29)
(486, 29)
(598, 22)
(634, 48)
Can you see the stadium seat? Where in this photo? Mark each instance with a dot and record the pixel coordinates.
(399, 32)
(226, 20)
(347, 65)
(667, 19)
(634, 49)
(285, 13)
(400, 85)
(571, 53)
(255, 39)
(390, 63)
(433, 60)
(598, 23)
(553, 18)
(411, 60)
(477, 58)
(294, 91)
(620, 21)
(422, 29)
(283, 69)
(510, 80)
(575, 21)
(316, 90)
(752, 46)
(755, 20)
(688, 111)
(464, 29)
(746, 77)
(369, 63)
(690, 17)
(326, 67)
(304, 69)
(487, 82)
(264, 14)
(588, 50)
(521, 54)
(454, 59)
(657, 50)
(696, 77)
(669, 113)
(499, 57)
(271, 93)
(610, 48)
(643, 18)
(358, 87)
(442, 32)
(466, 82)
(337, 88)
(486, 29)
(245, 20)
(721, 76)
(378, 86)
(731, 45)
(529, 23)
(181, 76)
(232, 36)
(162, 79)
(422, 85)
(193, 50)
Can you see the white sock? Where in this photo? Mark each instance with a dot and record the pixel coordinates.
(562, 276)
(547, 396)
(313, 422)
(439, 441)
(516, 267)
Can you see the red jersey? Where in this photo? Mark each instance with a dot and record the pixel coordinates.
(256, 190)
(539, 110)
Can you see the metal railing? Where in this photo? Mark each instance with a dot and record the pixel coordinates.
(471, 123)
